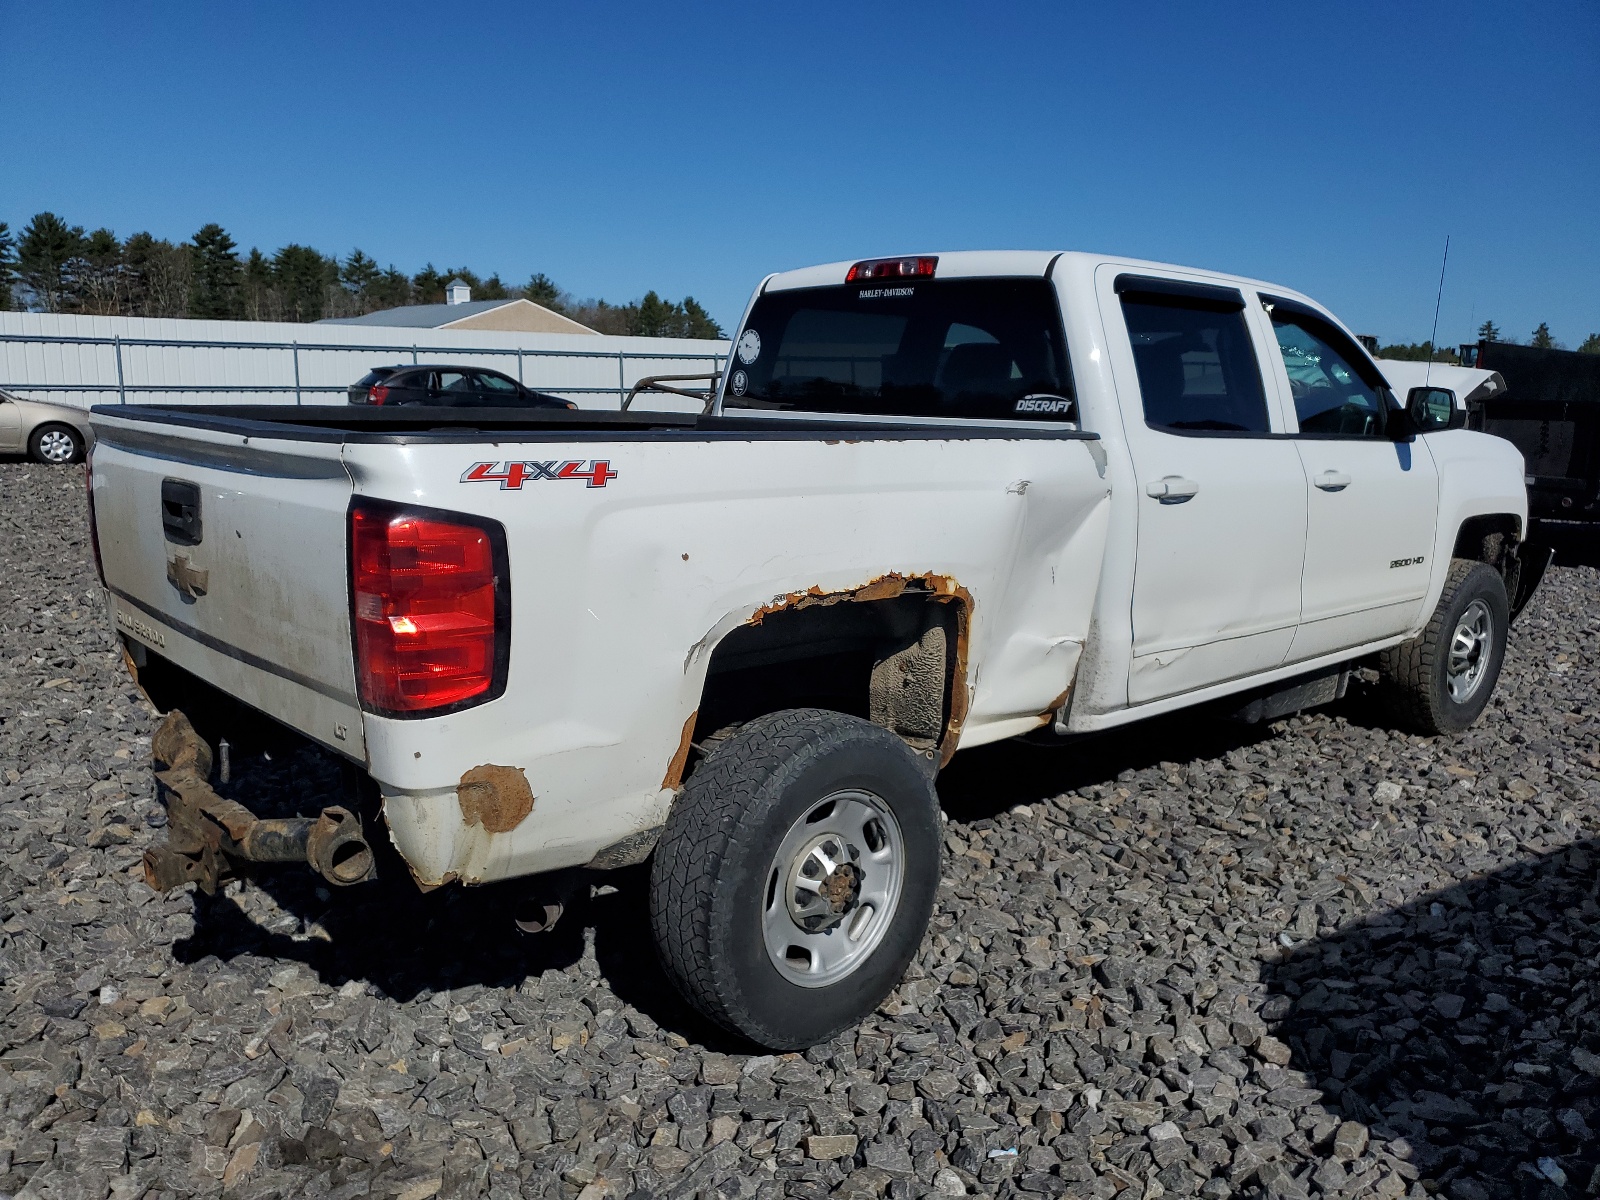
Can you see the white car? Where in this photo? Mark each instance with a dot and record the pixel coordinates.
(939, 501)
(45, 432)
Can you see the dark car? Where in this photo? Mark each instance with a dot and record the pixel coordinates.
(450, 387)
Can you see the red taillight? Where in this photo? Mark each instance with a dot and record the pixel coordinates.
(377, 393)
(94, 529)
(892, 268)
(430, 605)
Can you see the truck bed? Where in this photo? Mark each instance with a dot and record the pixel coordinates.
(642, 552)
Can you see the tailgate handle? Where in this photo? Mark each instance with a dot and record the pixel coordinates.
(180, 511)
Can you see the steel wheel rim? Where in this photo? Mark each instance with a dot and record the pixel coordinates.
(1468, 661)
(832, 888)
(56, 446)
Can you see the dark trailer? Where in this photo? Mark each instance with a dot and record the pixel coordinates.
(1550, 410)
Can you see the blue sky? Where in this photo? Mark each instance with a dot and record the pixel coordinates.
(620, 147)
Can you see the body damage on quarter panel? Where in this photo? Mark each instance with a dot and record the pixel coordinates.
(622, 596)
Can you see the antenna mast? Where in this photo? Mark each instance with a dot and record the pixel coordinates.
(1433, 338)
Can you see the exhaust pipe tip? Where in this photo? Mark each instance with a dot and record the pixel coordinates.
(544, 903)
(539, 918)
(337, 849)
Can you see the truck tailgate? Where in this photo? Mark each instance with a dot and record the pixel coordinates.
(227, 555)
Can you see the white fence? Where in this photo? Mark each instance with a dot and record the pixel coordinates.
(140, 360)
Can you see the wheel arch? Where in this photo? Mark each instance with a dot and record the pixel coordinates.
(892, 651)
(1491, 538)
(1501, 541)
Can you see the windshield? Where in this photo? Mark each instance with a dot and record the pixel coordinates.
(986, 348)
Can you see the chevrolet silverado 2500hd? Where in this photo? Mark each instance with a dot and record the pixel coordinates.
(937, 501)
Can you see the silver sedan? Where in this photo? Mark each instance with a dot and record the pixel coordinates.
(45, 432)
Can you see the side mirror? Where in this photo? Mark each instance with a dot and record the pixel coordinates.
(1430, 409)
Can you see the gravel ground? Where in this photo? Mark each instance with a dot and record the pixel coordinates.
(1315, 958)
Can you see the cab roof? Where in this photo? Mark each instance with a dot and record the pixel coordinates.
(974, 264)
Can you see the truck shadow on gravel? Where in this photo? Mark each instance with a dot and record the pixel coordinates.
(988, 780)
(1467, 1023)
(408, 945)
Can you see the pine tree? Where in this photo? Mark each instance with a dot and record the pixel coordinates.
(301, 276)
(699, 324)
(46, 258)
(1488, 332)
(1542, 339)
(358, 273)
(102, 284)
(428, 286)
(136, 254)
(8, 265)
(541, 289)
(261, 301)
(391, 289)
(491, 289)
(359, 276)
(1590, 344)
(217, 275)
(654, 317)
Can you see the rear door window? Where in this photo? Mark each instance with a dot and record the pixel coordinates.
(455, 387)
(977, 348)
(495, 385)
(1198, 371)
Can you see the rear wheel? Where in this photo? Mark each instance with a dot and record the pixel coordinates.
(1441, 680)
(795, 877)
(56, 444)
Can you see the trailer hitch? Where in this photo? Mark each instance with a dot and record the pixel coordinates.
(208, 834)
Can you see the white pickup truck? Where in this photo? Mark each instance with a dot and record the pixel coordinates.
(936, 501)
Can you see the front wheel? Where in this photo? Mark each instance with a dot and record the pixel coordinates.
(1441, 680)
(56, 444)
(795, 876)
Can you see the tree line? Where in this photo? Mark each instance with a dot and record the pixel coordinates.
(1540, 339)
(51, 266)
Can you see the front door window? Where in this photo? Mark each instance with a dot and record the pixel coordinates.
(1330, 394)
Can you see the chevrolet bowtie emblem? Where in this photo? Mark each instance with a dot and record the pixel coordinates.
(189, 580)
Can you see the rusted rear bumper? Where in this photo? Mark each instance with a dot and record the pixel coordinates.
(208, 834)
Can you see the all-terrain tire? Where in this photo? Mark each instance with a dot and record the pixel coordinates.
(1416, 674)
(712, 877)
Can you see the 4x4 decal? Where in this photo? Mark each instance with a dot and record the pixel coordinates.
(512, 475)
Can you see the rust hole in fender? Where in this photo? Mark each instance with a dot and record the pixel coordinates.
(497, 798)
(940, 588)
(680, 757)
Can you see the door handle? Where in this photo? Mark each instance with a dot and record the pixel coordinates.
(1173, 489)
(1332, 481)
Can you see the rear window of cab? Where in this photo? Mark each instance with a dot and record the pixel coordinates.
(976, 348)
